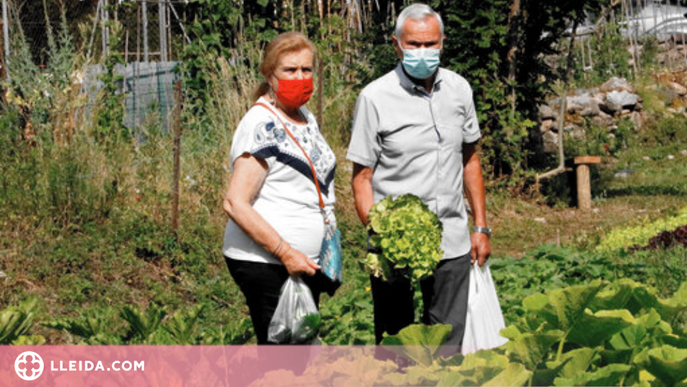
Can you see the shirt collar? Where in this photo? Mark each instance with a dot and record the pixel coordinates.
(410, 85)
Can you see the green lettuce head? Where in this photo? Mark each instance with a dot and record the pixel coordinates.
(408, 236)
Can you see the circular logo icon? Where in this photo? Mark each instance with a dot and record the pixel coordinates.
(29, 365)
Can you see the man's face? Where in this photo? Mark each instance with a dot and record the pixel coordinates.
(424, 33)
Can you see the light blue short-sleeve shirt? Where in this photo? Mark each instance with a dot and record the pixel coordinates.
(414, 142)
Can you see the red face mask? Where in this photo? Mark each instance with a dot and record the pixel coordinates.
(294, 93)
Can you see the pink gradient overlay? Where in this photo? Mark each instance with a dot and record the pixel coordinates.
(171, 366)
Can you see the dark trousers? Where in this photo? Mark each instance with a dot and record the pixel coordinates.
(261, 284)
(444, 295)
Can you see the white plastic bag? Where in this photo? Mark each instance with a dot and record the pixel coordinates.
(484, 319)
(296, 319)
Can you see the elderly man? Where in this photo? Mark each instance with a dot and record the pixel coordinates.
(415, 131)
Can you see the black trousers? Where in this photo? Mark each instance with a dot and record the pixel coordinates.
(261, 284)
(444, 295)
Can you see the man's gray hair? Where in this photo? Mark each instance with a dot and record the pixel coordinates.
(416, 11)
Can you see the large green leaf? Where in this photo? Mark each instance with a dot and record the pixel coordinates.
(352, 370)
(17, 321)
(620, 356)
(540, 310)
(614, 296)
(610, 375)
(647, 298)
(647, 328)
(576, 361)
(674, 340)
(476, 369)
(418, 342)
(428, 376)
(457, 379)
(545, 376)
(483, 365)
(668, 364)
(571, 302)
(514, 375)
(592, 329)
(530, 348)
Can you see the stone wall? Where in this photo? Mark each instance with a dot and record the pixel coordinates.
(606, 105)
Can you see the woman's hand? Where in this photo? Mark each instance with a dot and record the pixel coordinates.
(249, 175)
(296, 262)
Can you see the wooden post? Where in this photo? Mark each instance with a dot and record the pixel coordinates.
(176, 121)
(163, 34)
(320, 93)
(126, 47)
(145, 31)
(105, 29)
(6, 40)
(584, 191)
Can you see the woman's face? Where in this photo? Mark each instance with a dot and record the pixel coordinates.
(293, 65)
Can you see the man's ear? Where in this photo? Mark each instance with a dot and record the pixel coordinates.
(397, 46)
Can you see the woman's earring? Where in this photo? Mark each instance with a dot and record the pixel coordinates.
(273, 98)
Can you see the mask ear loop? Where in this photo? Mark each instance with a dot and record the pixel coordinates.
(273, 102)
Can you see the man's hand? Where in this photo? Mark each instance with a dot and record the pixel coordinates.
(474, 187)
(481, 248)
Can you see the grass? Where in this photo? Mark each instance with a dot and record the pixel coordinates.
(655, 188)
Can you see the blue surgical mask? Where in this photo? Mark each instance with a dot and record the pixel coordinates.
(421, 63)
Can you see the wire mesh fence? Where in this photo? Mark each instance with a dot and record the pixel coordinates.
(149, 37)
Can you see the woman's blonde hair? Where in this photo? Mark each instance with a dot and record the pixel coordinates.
(286, 42)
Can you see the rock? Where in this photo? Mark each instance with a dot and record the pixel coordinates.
(602, 120)
(670, 157)
(585, 105)
(683, 152)
(600, 100)
(572, 107)
(677, 88)
(679, 109)
(540, 220)
(617, 100)
(578, 133)
(546, 113)
(617, 84)
(668, 95)
(547, 125)
(3, 274)
(638, 119)
(554, 104)
(589, 111)
(678, 103)
(550, 142)
(646, 158)
(623, 174)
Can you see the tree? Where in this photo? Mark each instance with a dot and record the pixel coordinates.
(499, 46)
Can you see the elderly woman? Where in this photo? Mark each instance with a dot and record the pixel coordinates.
(276, 207)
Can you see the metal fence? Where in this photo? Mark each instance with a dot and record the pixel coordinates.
(149, 36)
